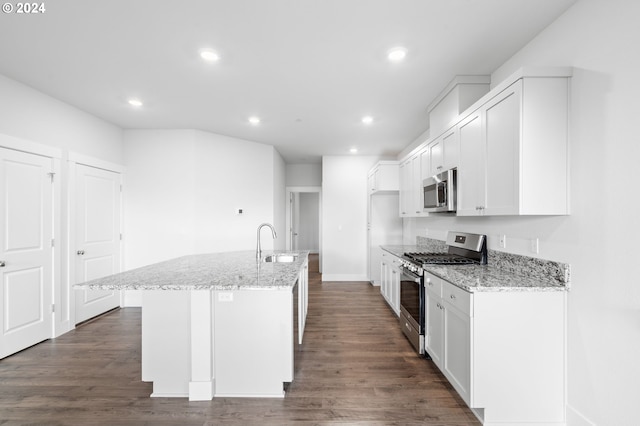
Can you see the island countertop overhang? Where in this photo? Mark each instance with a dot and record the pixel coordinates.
(238, 270)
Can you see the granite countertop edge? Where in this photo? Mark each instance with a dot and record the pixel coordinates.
(488, 278)
(214, 271)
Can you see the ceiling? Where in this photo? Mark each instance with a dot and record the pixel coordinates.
(309, 69)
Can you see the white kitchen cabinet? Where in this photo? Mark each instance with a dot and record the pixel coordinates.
(471, 170)
(406, 173)
(384, 176)
(384, 226)
(416, 191)
(444, 152)
(411, 186)
(503, 352)
(448, 332)
(434, 321)
(390, 286)
(456, 305)
(514, 151)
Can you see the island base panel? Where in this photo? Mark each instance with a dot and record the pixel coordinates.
(251, 353)
(253, 347)
(166, 342)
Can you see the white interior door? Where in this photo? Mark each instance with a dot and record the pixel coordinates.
(26, 253)
(97, 228)
(295, 219)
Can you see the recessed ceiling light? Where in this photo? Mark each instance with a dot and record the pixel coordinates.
(353, 150)
(254, 120)
(397, 54)
(135, 102)
(367, 119)
(209, 55)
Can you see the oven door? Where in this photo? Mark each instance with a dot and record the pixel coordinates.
(412, 309)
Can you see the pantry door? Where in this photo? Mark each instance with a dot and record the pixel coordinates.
(26, 252)
(97, 237)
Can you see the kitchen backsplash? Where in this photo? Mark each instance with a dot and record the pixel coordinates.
(544, 270)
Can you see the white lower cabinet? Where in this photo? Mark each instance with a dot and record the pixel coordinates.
(503, 352)
(390, 280)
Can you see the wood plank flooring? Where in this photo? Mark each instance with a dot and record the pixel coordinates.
(354, 368)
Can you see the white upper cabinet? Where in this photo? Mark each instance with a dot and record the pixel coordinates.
(513, 151)
(384, 176)
(510, 149)
(444, 152)
(471, 170)
(411, 186)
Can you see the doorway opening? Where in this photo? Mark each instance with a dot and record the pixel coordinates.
(304, 219)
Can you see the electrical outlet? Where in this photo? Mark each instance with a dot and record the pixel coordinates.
(239, 211)
(535, 246)
(503, 241)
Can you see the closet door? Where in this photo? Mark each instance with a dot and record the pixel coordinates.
(97, 230)
(26, 253)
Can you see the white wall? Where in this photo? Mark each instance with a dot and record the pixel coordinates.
(183, 189)
(304, 174)
(32, 115)
(344, 216)
(279, 201)
(599, 38)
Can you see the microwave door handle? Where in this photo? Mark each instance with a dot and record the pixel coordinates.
(439, 185)
(445, 195)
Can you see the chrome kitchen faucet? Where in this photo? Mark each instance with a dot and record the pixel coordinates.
(258, 247)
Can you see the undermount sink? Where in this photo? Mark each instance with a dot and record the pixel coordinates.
(280, 258)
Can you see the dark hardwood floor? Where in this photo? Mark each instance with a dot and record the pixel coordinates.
(354, 368)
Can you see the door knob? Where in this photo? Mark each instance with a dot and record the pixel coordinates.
(80, 252)
(2, 264)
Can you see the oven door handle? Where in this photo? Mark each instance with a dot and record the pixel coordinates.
(414, 277)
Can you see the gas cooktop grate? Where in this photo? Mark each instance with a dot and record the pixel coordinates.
(439, 259)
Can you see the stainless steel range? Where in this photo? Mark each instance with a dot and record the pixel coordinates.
(463, 248)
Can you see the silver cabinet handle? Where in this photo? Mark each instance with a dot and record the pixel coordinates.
(80, 252)
(3, 263)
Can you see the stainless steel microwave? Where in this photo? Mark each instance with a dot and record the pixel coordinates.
(439, 192)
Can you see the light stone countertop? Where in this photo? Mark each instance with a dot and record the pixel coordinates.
(505, 272)
(215, 271)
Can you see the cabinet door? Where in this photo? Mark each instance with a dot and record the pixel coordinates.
(450, 149)
(416, 191)
(457, 350)
(471, 168)
(394, 289)
(384, 280)
(435, 150)
(502, 124)
(371, 181)
(406, 174)
(425, 163)
(434, 328)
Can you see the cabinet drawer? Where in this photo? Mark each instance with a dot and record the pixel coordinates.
(433, 284)
(457, 297)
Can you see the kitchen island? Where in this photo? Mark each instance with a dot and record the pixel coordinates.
(219, 324)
